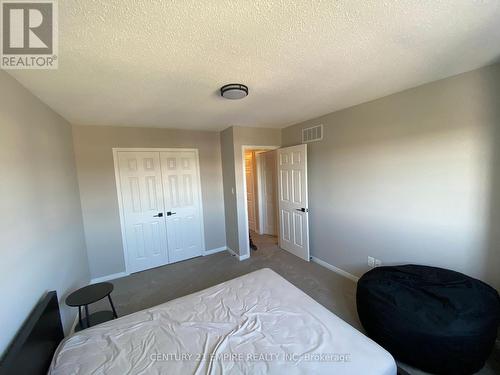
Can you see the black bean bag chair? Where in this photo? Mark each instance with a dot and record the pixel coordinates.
(438, 320)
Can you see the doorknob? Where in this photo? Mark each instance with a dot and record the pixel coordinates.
(170, 213)
(160, 214)
(302, 209)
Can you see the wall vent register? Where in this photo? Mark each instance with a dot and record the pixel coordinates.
(312, 134)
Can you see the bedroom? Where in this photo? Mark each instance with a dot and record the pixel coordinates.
(404, 171)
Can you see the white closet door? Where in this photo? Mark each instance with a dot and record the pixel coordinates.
(292, 202)
(180, 173)
(142, 205)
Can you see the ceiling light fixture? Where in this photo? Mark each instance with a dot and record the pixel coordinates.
(234, 91)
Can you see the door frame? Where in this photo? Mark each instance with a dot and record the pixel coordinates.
(116, 150)
(260, 188)
(246, 228)
(255, 188)
(258, 177)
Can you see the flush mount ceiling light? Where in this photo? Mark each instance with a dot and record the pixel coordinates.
(234, 91)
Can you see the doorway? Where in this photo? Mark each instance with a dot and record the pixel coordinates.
(159, 196)
(289, 173)
(261, 197)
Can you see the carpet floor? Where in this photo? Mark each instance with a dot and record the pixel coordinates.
(338, 294)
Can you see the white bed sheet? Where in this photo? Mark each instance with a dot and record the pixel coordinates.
(255, 324)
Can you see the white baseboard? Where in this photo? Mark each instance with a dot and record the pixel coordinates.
(73, 326)
(108, 277)
(240, 257)
(232, 252)
(335, 269)
(213, 251)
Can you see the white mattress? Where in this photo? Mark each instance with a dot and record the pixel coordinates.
(255, 324)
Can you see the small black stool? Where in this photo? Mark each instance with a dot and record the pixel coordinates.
(90, 294)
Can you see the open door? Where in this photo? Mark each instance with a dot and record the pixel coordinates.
(292, 200)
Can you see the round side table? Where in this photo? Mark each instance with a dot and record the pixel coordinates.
(83, 297)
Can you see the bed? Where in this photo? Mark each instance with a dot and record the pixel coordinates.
(258, 323)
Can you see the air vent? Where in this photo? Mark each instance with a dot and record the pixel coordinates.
(312, 134)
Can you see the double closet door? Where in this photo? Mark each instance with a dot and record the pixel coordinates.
(160, 196)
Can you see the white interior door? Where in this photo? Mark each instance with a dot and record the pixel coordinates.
(292, 202)
(266, 172)
(142, 202)
(182, 192)
(250, 185)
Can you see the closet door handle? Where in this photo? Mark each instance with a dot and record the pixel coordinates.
(170, 213)
(302, 209)
(160, 214)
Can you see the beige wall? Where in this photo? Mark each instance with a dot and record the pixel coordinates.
(410, 178)
(94, 159)
(41, 242)
(234, 139)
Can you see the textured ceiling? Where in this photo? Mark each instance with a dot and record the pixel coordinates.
(160, 63)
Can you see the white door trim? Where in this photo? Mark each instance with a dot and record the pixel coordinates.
(254, 202)
(116, 150)
(260, 205)
(261, 162)
(246, 253)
